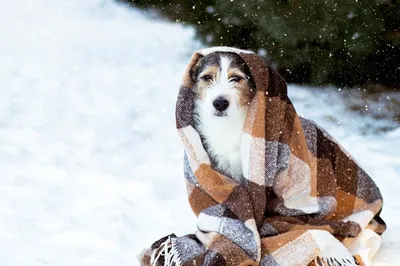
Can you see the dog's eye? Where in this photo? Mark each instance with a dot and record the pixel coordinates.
(206, 77)
(235, 79)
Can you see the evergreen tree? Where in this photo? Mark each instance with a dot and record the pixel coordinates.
(341, 42)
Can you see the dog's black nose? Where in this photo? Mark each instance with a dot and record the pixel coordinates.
(221, 104)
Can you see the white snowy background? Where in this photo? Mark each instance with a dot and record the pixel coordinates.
(90, 162)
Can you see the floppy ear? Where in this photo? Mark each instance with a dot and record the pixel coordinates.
(195, 71)
(186, 95)
(191, 71)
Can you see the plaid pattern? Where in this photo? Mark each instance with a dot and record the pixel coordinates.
(305, 201)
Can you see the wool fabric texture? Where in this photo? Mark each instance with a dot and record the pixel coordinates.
(304, 200)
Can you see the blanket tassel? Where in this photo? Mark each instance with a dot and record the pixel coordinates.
(335, 262)
(168, 251)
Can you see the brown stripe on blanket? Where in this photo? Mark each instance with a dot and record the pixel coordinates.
(286, 224)
(217, 185)
(287, 125)
(251, 114)
(258, 196)
(313, 160)
(349, 198)
(326, 180)
(276, 85)
(312, 227)
(274, 243)
(256, 113)
(275, 113)
(360, 204)
(346, 173)
(345, 203)
(200, 200)
(239, 203)
(249, 262)
(298, 147)
(258, 70)
(227, 249)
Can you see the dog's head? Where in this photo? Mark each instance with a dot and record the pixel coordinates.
(223, 85)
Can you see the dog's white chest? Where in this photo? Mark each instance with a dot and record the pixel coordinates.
(231, 165)
(223, 142)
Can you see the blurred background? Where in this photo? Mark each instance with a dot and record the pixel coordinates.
(90, 160)
(345, 43)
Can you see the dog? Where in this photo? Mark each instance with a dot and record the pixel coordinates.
(224, 89)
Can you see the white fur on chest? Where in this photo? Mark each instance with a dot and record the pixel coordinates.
(222, 139)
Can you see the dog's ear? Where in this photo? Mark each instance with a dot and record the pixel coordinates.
(194, 71)
(188, 80)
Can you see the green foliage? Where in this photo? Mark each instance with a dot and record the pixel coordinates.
(343, 42)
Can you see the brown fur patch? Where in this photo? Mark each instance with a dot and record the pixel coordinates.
(202, 86)
(244, 87)
(246, 93)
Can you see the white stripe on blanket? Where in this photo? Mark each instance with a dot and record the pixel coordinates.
(251, 224)
(329, 246)
(362, 218)
(208, 223)
(253, 165)
(366, 245)
(197, 155)
(303, 202)
(211, 50)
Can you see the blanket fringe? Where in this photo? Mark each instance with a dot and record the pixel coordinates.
(168, 250)
(335, 262)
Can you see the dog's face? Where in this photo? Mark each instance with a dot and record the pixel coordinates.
(223, 86)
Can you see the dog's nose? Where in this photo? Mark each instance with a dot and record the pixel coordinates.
(221, 104)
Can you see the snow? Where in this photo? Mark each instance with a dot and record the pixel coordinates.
(91, 164)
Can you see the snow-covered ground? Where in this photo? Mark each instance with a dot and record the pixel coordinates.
(90, 162)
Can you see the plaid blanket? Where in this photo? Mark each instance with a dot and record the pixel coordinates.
(305, 201)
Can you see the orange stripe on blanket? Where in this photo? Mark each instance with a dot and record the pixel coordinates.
(200, 201)
(270, 245)
(217, 185)
(345, 205)
(297, 145)
(228, 249)
(256, 112)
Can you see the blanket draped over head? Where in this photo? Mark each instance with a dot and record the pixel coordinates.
(304, 201)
